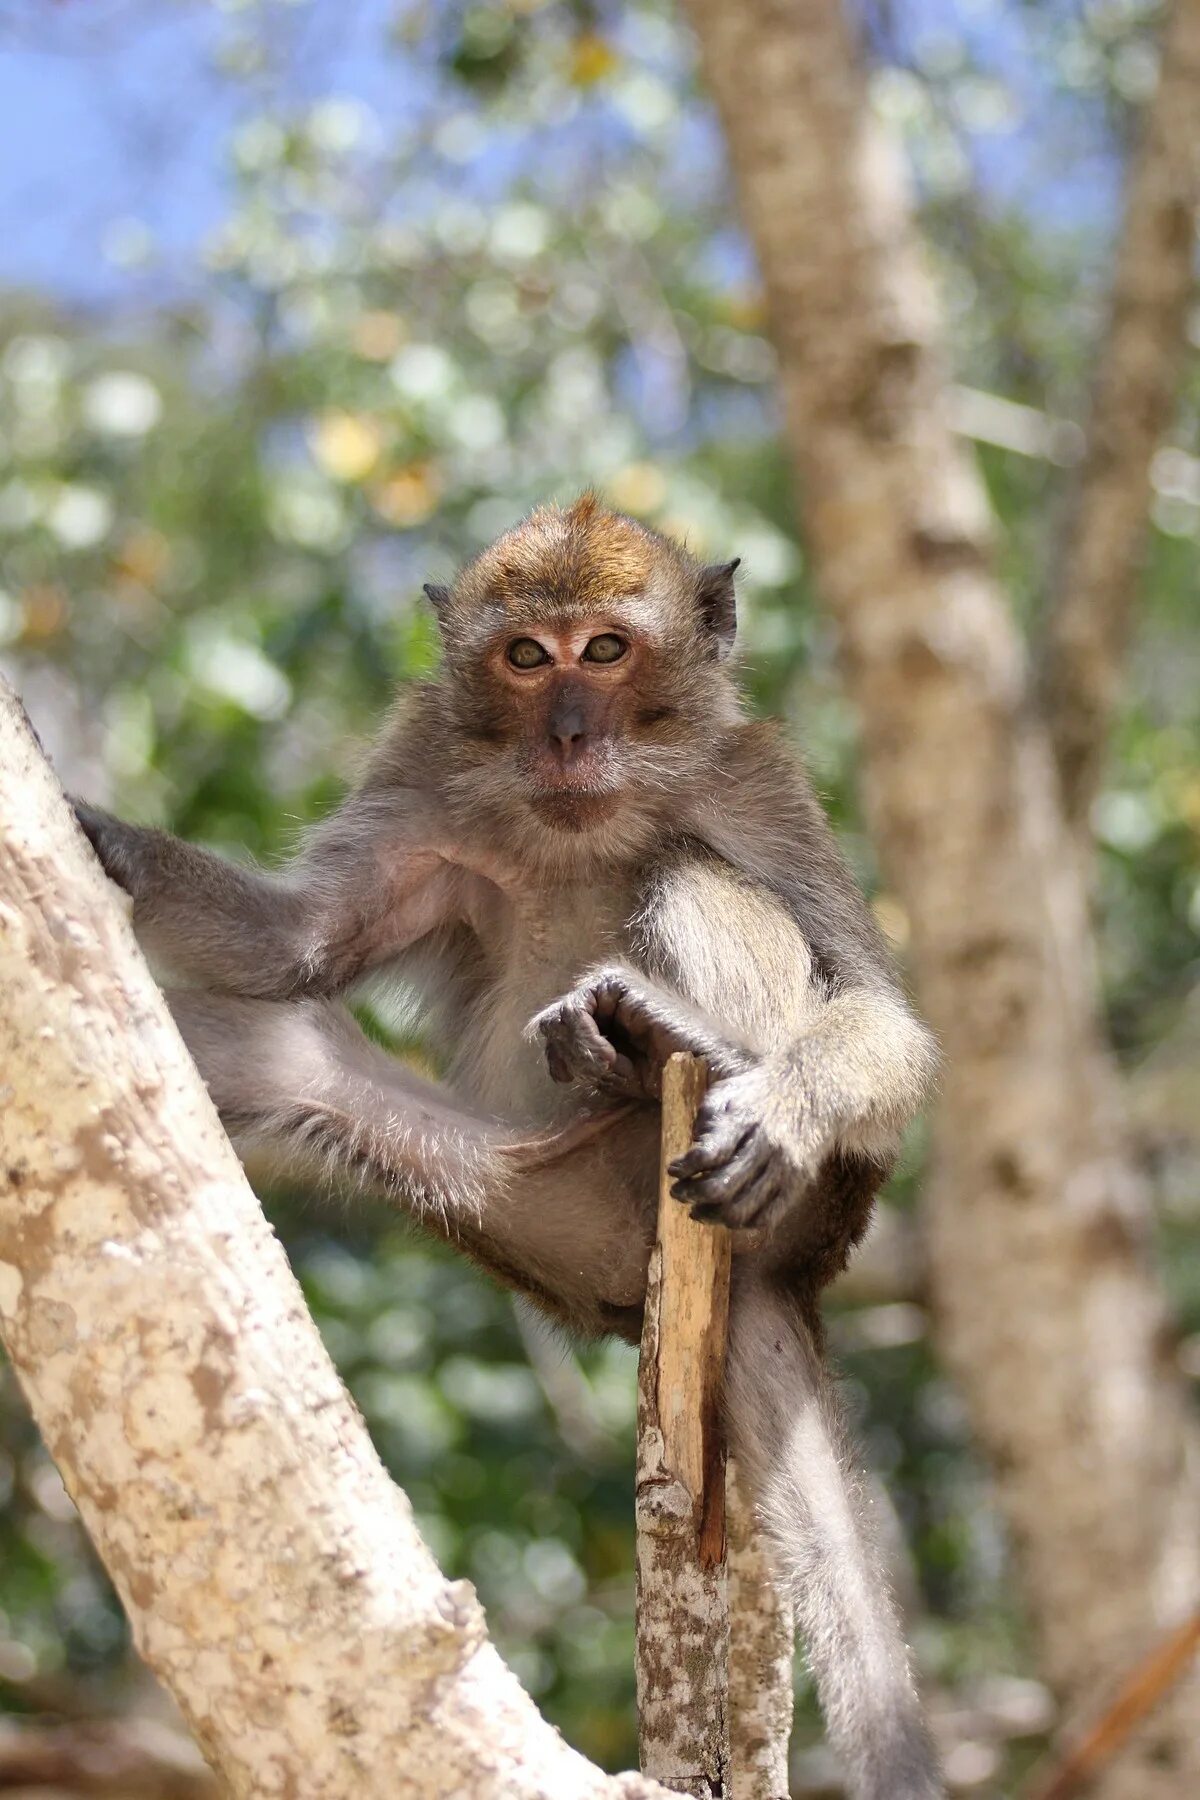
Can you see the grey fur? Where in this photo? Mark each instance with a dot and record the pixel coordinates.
(692, 898)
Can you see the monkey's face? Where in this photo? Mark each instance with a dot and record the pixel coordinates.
(583, 664)
(567, 705)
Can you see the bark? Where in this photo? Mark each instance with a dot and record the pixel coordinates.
(682, 1596)
(272, 1573)
(1045, 1302)
(1133, 403)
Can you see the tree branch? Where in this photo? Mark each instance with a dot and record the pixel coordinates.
(273, 1574)
(1133, 403)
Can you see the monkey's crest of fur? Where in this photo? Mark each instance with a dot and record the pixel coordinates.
(563, 563)
(566, 560)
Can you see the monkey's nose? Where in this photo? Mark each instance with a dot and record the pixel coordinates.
(568, 732)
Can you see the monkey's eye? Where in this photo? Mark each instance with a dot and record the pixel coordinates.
(526, 653)
(607, 648)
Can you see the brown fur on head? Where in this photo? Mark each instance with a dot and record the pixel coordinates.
(583, 666)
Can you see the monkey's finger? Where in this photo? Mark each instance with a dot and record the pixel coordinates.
(717, 1114)
(577, 1051)
(577, 1041)
(634, 1017)
(717, 1178)
(606, 997)
(613, 1005)
(723, 1186)
(723, 1183)
(625, 1072)
(711, 1148)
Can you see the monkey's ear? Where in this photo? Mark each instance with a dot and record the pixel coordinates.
(718, 604)
(438, 595)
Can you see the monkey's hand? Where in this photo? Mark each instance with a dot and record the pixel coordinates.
(615, 1031)
(751, 1156)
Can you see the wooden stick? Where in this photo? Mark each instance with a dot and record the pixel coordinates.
(682, 1607)
(1137, 1696)
(762, 1636)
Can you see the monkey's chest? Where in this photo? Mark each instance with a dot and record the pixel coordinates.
(535, 957)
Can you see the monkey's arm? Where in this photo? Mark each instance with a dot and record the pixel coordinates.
(370, 882)
(843, 1090)
(791, 1000)
(845, 1085)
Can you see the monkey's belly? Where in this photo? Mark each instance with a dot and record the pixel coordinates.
(544, 955)
(497, 1069)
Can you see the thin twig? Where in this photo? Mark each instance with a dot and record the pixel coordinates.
(1136, 1698)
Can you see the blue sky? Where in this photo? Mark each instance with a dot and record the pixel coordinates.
(112, 115)
(111, 111)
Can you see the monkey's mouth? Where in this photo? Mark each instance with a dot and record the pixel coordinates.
(593, 772)
(574, 808)
(573, 795)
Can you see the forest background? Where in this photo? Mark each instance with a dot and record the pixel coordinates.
(299, 304)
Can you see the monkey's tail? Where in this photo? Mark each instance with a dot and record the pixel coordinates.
(788, 1436)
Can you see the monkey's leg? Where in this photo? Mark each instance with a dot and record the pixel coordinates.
(787, 1435)
(367, 888)
(565, 1217)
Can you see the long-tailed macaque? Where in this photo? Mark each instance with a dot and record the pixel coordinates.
(584, 856)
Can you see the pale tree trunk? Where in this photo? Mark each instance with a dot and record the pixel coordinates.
(1133, 402)
(271, 1571)
(1045, 1303)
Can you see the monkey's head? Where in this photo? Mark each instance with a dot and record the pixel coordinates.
(584, 665)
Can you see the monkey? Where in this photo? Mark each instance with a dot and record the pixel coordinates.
(580, 852)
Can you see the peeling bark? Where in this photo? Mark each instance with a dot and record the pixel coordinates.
(1046, 1306)
(1133, 404)
(272, 1572)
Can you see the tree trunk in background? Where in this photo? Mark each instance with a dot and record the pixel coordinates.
(1046, 1306)
(1133, 403)
(272, 1573)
